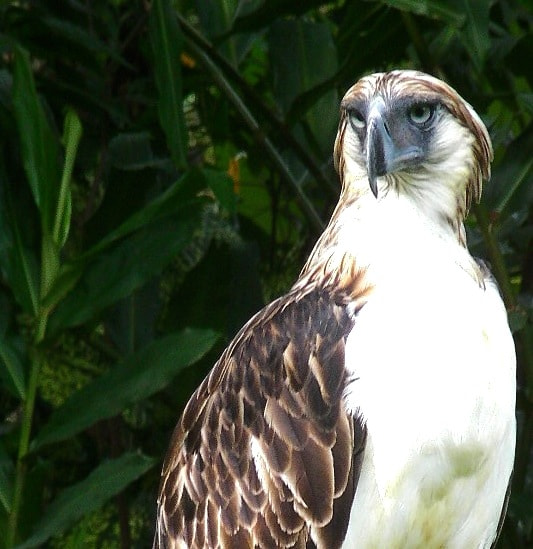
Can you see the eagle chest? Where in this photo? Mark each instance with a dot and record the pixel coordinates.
(437, 396)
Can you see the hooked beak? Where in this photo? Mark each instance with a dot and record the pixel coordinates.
(383, 153)
(379, 148)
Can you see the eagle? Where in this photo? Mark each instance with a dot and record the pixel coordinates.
(372, 405)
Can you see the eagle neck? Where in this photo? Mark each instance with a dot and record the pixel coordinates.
(391, 232)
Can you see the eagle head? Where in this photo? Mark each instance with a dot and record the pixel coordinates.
(410, 132)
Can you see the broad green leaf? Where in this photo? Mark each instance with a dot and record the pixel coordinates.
(106, 481)
(222, 292)
(50, 262)
(511, 184)
(447, 11)
(526, 100)
(222, 186)
(255, 204)
(356, 52)
(132, 322)
(216, 19)
(132, 151)
(114, 273)
(138, 377)
(11, 369)
(265, 13)
(17, 259)
(178, 196)
(80, 39)
(475, 34)
(303, 56)
(67, 277)
(71, 137)
(517, 319)
(166, 40)
(38, 143)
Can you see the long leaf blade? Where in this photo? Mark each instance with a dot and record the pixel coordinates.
(106, 481)
(17, 259)
(166, 40)
(39, 145)
(72, 131)
(11, 369)
(115, 273)
(7, 469)
(138, 377)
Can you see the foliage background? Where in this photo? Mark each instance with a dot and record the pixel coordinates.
(164, 170)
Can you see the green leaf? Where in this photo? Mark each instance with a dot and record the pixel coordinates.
(222, 186)
(106, 481)
(138, 377)
(7, 470)
(39, 145)
(132, 151)
(132, 323)
(50, 262)
(180, 195)
(11, 369)
(216, 20)
(67, 277)
(166, 40)
(437, 9)
(80, 40)
(304, 56)
(17, 260)
(267, 12)
(511, 184)
(475, 35)
(71, 137)
(517, 319)
(115, 272)
(526, 100)
(222, 292)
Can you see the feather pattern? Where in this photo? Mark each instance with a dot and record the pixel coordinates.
(264, 449)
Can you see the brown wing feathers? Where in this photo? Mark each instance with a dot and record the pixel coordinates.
(263, 455)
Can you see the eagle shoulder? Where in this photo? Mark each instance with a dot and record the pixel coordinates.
(265, 453)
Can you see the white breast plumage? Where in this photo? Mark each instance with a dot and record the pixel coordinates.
(432, 364)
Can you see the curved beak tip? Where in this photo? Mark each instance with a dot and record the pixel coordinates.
(373, 182)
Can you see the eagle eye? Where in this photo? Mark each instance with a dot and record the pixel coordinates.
(421, 113)
(356, 119)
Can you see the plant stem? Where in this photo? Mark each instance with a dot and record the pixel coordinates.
(25, 433)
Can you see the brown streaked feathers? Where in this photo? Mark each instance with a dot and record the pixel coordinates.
(264, 452)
